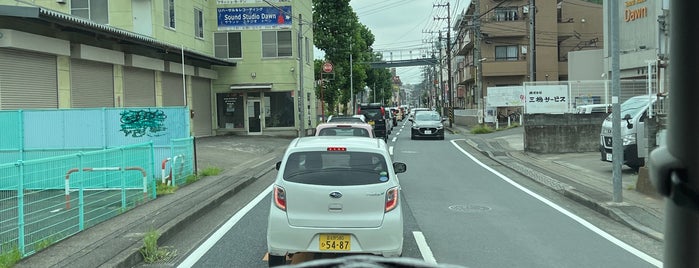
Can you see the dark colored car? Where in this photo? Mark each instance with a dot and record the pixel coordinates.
(427, 124)
(375, 114)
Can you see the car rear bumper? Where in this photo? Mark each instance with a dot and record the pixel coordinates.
(385, 240)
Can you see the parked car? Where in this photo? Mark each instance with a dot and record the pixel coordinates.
(593, 108)
(634, 112)
(375, 114)
(345, 129)
(311, 213)
(427, 124)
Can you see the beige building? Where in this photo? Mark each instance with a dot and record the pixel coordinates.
(505, 54)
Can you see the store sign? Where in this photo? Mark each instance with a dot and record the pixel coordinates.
(633, 12)
(254, 18)
(546, 99)
(505, 96)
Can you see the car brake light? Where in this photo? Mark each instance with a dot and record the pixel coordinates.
(280, 197)
(391, 199)
(383, 111)
(337, 149)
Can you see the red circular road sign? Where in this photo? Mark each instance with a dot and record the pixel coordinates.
(327, 67)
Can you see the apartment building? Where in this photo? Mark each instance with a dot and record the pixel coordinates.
(505, 58)
(234, 63)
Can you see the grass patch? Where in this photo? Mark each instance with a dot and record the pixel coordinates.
(10, 255)
(191, 178)
(481, 129)
(164, 189)
(151, 252)
(210, 171)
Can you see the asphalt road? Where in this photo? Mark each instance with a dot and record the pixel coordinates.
(469, 215)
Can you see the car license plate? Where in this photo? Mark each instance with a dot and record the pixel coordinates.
(334, 242)
(428, 131)
(609, 157)
(371, 122)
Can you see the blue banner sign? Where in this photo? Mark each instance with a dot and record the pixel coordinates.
(253, 18)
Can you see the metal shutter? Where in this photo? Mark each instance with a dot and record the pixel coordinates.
(172, 90)
(92, 84)
(201, 104)
(27, 80)
(139, 87)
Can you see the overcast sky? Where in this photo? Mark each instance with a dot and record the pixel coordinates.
(401, 26)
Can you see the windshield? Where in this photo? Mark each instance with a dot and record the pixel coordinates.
(633, 106)
(427, 116)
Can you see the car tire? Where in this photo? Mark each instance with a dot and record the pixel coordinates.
(274, 261)
(412, 137)
(441, 137)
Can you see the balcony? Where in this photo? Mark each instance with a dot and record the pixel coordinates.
(505, 68)
(494, 28)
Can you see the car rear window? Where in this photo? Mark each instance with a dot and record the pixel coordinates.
(344, 131)
(336, 168)
(371, 113)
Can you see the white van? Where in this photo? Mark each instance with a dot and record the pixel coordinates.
(593, 108)
(634, 112)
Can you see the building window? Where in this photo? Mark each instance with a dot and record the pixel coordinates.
(506, 53)
(169, 15)
(228, 45)
(279, 109)
(94, 10)
(198, 23)
(506, 14)
(276, 44)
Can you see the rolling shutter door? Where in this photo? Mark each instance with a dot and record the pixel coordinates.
(139, 87)
(92, 84)
(201, 98)
(27, 80)
(172, 90)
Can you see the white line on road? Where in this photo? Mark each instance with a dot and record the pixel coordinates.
(582, 221)
(390, 150)
(425, 250)
(211, 241)
(394, 139)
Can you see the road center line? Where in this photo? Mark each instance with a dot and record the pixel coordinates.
(213, 239)
(560, 209)
(425, 250)
(390, 150)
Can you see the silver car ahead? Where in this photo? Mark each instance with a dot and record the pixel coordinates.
(335, 194)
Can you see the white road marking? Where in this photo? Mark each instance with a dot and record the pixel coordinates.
(390, 150)
(560, 209)
(425, 250)
(394, 139)
(213, 239)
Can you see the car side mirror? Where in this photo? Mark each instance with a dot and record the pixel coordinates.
(629, 125)
(278, 165)
(444, 119)
(399, 167)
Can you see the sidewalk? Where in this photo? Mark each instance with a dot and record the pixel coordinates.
(116, 242)
(579, 176)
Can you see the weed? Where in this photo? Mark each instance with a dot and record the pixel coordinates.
(9, 255)
(46, 242)
(481, 129)
(151, 252)
(191, 178)
(210, 171)
(164, 189)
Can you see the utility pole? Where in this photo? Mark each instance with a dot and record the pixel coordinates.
(477, 59)
(354, 109)
(301, 95)
(450, 83)
(617, 148)
(532, 41)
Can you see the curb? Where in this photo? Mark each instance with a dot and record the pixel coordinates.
(132, 257)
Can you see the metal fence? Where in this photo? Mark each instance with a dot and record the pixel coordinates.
(45, 200)
(63, 171)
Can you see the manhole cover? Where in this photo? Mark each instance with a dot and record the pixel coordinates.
(469, 208)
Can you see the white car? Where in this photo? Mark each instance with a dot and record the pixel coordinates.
(335, 194)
